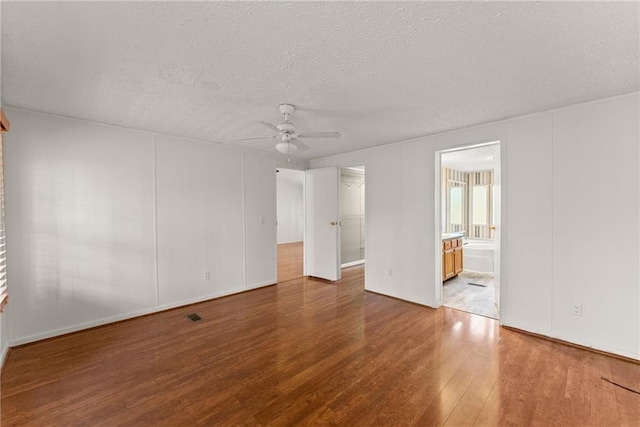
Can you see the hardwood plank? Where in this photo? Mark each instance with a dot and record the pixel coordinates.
(625, 373)
(309, 352)
(290, 259)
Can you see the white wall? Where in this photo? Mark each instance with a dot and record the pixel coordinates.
(4, 337)
(4, 324)
(570, 236)
(260, 219)
(107, 223)
(398, 204)
(596, 224)
(290, 189)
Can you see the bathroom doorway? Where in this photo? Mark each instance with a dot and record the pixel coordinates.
(352, 215)
(470, 205)
(290, 223)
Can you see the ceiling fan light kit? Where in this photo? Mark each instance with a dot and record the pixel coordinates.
(286, 147)
(288, 134)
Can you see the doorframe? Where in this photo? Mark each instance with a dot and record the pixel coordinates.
(500, 243)
(277, 170)
(341, 165)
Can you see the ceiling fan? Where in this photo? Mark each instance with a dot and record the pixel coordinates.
(289, 136)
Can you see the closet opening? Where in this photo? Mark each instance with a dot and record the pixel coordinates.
(352, 215)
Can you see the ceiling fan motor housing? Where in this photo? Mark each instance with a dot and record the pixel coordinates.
(287, 127)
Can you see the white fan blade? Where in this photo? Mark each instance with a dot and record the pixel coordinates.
(258, 137)
(320, 135)
(270, 126)
(301, 146)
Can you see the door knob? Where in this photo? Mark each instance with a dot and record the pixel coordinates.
(492, 227)
(333, 223)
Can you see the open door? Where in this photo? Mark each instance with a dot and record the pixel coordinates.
(322, 225)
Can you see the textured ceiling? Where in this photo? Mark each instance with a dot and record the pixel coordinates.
(377, 72)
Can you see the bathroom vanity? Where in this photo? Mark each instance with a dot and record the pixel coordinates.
(451, 255)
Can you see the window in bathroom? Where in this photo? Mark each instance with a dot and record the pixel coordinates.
(479, 205)
(456, 214)
(455, 206)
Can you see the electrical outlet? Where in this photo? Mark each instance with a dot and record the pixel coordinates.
(206, 275)
(576, 309)
(391, 272)
(261, 220)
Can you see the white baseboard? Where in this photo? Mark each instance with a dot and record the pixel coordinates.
(131, 315)
(598, 346)
(261, 284)
(3, 357)
(80, 326)
(572, 340)
(351, 264)
(400, 297)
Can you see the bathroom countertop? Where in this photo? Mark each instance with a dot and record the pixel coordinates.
(451, 236)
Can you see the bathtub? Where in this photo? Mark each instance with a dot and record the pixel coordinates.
(478, 255)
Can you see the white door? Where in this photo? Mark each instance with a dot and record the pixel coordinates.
(322, 228)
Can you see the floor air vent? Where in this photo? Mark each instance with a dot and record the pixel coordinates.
(194, 317)
(477, 284)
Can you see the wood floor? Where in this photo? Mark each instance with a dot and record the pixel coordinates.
(290, 257)
(309, 352)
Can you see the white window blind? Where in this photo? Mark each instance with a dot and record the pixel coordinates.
(4, 295)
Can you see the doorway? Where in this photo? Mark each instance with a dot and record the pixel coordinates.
(352, 215)
(334, 220)
(290, 223)
(470, 205)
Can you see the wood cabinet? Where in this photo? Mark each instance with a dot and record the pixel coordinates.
(451, 258)
(457, 260)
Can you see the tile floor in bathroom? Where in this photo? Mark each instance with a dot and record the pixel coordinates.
(459, 294)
